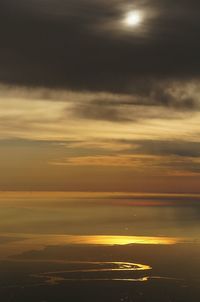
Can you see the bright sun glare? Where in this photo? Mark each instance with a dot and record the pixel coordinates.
(133, 18)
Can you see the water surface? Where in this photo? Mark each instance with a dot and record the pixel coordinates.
(99, 247)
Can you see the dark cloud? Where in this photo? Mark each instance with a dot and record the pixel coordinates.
(75, 44)
(181, 156)
(179, 148)
(100, 111)
(137, 106)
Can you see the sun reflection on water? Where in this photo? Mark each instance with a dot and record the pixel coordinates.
(23, 243)
(121, 240)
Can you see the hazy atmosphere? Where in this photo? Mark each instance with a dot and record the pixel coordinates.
(99, 151)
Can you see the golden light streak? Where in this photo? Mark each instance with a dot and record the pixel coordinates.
(29, 242)
(122, 240)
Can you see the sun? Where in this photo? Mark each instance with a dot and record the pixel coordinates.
(133, 19)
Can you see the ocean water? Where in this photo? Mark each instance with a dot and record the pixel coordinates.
(99, 247)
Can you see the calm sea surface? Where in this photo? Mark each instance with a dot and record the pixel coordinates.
(99, 247)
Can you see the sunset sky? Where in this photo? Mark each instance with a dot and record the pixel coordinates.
(100, 95)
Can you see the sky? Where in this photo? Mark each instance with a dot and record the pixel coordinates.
(100, 95)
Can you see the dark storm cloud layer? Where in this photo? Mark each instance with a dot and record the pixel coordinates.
(77, 44)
